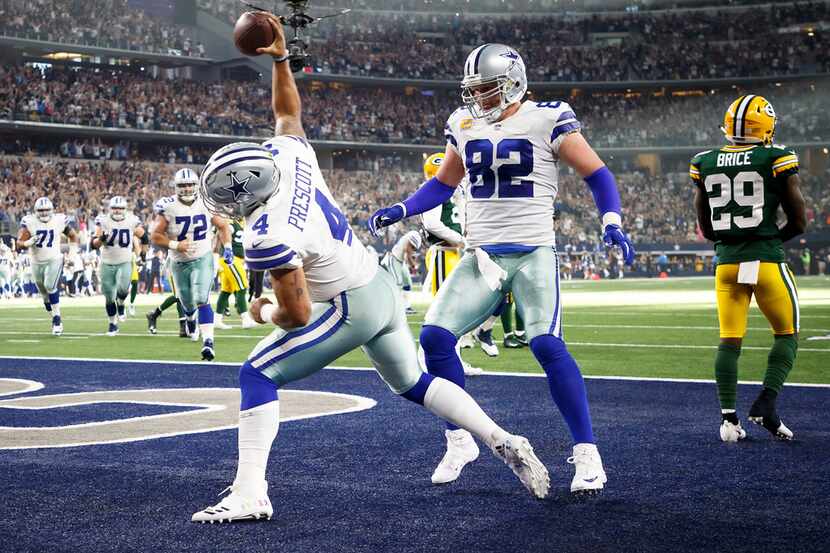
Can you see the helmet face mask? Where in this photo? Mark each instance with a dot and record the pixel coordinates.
(494, 78)
(118, 208)
(238, 179)
(44, 209)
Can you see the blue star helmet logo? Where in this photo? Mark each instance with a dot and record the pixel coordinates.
(240, 187)
(512, 55)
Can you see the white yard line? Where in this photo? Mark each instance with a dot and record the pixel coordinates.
(371, 369)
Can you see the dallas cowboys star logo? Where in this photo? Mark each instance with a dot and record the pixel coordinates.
(239, 187)
(511, 55)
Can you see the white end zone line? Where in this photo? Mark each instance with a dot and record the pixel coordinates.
(372, 369)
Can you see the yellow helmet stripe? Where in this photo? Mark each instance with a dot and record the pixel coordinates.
(740, 116)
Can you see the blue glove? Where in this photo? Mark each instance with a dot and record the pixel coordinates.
(385, 217)
(227, 255)
(614, 236)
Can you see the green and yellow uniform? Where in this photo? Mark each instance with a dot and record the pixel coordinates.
(744, 184)
(233, 277)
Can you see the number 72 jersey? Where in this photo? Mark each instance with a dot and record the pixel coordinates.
(513, 169)
(187, 222)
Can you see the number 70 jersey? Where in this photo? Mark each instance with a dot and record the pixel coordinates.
(187, 222)
(301, 225)
(513, 169)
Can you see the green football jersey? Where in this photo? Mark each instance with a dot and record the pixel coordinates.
(236, 239)
(450, 218)
(744, 186)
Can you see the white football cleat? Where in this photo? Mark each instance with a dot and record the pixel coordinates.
(235, 506)
(469, 370)
(731, 432)
(131, 310)
(220, 324)
(122, 318)
(466, 341)
(247, 320)
(112, 330)
(485, 340)
(517, 453)
(57, 326)
(590, 477)
(461, 449)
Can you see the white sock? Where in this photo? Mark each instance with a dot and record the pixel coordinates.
(113, 319)
(257, 430)
(453, 404)
(207, 331)
(56, 310)
(489, 323)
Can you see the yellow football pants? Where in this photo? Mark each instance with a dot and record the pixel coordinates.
(440, 263)
(775, 293)
(134, 274)
(233, 277)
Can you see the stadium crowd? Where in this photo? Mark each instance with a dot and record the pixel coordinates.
(122, 99)
(105, 23)
(644, 46)
(657, 209)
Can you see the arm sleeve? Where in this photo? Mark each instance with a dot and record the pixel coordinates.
(269, 255)
(433, 225)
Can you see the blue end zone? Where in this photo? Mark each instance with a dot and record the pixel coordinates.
(360, 481)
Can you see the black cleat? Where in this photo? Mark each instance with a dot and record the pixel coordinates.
(207, 351)
(183, 329)
(511, 342)
(763, 413)
(152, 317)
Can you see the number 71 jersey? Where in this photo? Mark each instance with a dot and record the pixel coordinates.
(513, 169)
(187, 222)
(301, 225)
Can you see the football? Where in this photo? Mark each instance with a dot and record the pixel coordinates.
(252, 31)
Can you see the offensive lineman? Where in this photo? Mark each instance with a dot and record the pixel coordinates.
(510, 150)
(41, 233)
(114, 234)
(738, 190)
(331, 299)
(183, 225)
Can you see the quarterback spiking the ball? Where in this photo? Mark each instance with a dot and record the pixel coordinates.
(510, 150)
(331, 298)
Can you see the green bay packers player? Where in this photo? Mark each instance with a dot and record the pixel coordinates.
(41, 233)
(114, 232)
(739, 189)
(182, 225)
(234, 280)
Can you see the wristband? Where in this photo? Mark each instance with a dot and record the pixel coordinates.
(282, 59)
(266, 312)
(173, 245)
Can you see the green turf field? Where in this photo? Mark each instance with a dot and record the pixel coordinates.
(625, 328)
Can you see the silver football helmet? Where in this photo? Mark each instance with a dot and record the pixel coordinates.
(185, 181)
(118, 208)
(238, 178)
(44, 209)
(494, 78)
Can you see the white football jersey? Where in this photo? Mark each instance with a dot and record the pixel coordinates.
(301, 225)
(513, 171)
(47, 236)
(190, 222)
(411, 237)
(118, 247)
